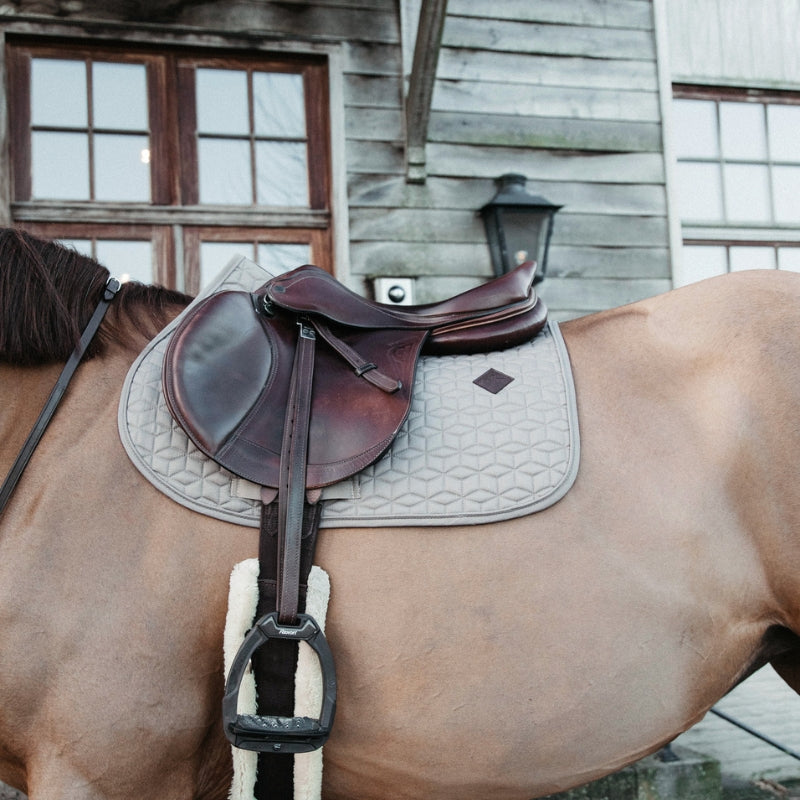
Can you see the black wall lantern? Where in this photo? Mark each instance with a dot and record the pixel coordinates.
(518, 226)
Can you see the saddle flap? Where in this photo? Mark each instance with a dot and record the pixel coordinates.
(226, 377)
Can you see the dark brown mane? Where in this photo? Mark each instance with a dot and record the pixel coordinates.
(48, 293)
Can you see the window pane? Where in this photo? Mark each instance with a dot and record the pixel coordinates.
(127, 260)
(278, 104)
(282, 176)
(224, 169)
(222, 105)
(789, 258)
(699, 191)
(695, 123)
(786, 190)
(751, 258)
(743, 131)
(214, 256)
(58, 93)
(747, 193)
(122, 167)
(701, 261)
(60, 165)
(280, 257)
(784, 124)
(119, 94)
(82, 246)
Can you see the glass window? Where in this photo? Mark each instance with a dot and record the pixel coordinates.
(742, 130)
(282, 257)
(705, 261)
(747, 193)
(754, 257)
(696, 129)
(128, 260)
(58, 93)
(60, 165)
(752, 145)
(699, 191)
(119, 96)
(737, 180)
(251, 130)
(789, 258)
(71, 159)
(224, 172)
(783, 123)
(214, 256)
(120, 139)
(786, 189)
(222, 104)
(276, 257)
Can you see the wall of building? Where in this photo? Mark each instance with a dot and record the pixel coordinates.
(566, 93)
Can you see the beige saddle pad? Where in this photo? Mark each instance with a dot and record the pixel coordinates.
(489, 437)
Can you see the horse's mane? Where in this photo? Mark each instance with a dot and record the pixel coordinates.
(48, 293)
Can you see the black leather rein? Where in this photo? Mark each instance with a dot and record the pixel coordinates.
(49, 409)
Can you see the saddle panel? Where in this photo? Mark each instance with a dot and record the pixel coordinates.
(226, 378)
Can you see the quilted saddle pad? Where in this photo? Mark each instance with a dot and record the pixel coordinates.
(489, 437)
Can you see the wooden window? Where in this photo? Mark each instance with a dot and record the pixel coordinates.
(738, 179)
(186, 150)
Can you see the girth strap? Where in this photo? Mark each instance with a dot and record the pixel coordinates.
(274, 666)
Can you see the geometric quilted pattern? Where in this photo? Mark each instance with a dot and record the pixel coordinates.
(464, 455)
(468, 456)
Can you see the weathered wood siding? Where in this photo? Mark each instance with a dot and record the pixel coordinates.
(566, 93)
(735, 42)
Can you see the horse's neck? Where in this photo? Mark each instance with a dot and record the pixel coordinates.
(23, 392)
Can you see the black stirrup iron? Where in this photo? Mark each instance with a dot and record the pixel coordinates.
(277, 734)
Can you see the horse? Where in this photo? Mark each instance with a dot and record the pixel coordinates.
(507, 660)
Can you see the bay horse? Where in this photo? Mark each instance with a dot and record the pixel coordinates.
(505, 661)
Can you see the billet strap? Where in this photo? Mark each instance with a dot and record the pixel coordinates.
(292, 489)
(50, 406)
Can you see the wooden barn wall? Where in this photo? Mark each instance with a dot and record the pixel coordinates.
(735, 42)
(564, 92)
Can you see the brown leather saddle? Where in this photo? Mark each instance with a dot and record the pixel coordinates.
(302, 384)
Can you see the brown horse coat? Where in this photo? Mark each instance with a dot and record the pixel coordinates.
(503, 661)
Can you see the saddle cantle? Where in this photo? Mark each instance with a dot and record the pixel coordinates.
(227, 370)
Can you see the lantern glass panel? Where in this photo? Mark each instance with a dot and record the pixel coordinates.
(525, 234)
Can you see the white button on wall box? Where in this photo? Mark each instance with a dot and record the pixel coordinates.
(394, 291)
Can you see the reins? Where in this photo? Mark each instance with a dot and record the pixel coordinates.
(49, 409)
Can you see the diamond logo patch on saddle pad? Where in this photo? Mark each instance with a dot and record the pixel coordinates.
(493, 381)
(490, 436)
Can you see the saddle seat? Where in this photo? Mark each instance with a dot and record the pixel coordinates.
(228, 368)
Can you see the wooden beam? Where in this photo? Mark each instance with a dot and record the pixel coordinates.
(420, 86)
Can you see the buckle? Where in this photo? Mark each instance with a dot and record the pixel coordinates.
(278, 734)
